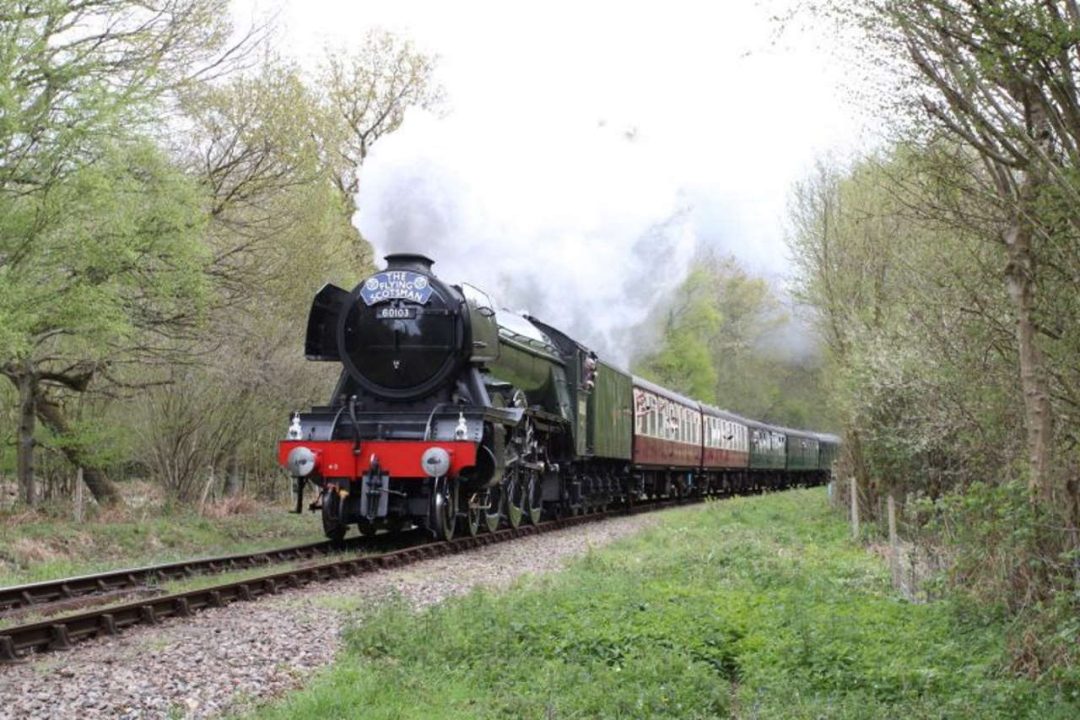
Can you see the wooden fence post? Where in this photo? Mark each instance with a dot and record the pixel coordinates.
(854, 510)
(78, 495)
(206, 491)
(894, 544)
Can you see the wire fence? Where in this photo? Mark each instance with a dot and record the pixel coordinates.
(891, 527)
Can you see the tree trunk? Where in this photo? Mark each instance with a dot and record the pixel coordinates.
(858, 459)
(232, 476)
(1020, 281)
(97, 482)
(27, 385)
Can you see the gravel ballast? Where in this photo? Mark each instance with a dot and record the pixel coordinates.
(226, 658)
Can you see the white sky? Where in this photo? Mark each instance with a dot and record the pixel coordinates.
(530, 160)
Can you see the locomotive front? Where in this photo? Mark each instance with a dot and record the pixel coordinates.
(402, 337)
(401, 333)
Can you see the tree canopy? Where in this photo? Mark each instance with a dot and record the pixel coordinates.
(721, 339)
(164, 183)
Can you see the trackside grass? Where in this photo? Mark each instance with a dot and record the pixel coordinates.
(42, 548)
(752, 608)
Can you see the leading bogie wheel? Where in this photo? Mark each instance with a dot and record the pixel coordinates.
(331, 517)
(444, 505)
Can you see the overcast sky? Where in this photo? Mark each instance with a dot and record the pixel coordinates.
(587, 148)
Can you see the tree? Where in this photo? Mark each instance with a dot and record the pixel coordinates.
(77, 78)
(1001, 77)
(275, 233)
(683, 361)
(118, 267)
(368, 92)
(892, 255)
(721, 341)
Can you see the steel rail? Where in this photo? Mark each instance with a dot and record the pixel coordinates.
(41, 594)
(17, 642)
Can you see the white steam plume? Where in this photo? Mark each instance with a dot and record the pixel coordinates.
(589, 254)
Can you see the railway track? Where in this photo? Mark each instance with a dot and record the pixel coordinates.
(18, 642)
(41, 597)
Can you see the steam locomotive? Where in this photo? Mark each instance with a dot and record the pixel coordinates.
(457, 417)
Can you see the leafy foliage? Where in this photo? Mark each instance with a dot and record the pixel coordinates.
(119, 255)
(160, 280)
(722, 341)
(897, 255)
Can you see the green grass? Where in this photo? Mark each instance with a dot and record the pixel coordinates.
(34, 548)
(752, 608)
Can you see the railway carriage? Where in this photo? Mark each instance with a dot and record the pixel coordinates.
(768, 447)
(828, 450)
(803, 451)
(725, 459)
(667, 439)
(456, 416)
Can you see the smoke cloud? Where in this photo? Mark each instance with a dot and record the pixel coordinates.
(589, 253)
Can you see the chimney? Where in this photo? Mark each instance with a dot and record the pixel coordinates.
(410, 261)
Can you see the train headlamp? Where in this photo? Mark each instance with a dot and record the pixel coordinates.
(301, 462)
(435, 461)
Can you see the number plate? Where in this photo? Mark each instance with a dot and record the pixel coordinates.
(395, 313)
